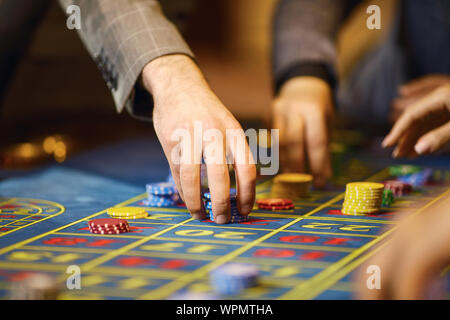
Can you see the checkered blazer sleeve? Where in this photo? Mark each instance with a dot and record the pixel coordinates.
(123, 36)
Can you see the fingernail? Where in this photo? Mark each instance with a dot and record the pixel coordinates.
(422, 147)
(222, 219)
(198, 216)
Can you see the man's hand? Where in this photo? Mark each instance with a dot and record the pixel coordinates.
(423, 111)
(182, 99)
(415, 257)
(415, 90)
(303, 111)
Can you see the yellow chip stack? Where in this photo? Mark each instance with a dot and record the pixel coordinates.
(291, 185)
(127, 212)
(362, 198)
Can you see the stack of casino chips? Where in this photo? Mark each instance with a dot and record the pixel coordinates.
(291, 185)
(127, 212)
(163, 194)
(108, 226)
(401, 170)
(417, 179)
(233, 278)
(35, 286)
(388, 198)
(398, 188)
(362, 198)
(236, 217)
(275, 204)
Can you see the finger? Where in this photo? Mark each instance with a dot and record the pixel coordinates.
(405, 146)
(190, 186)
(279, 122)
(245, 173)
(416, 112)
(317, 147)
(218, 179)
(175, 169)
(219, 187)
(295, 152)
(424, 84)
(434, 140)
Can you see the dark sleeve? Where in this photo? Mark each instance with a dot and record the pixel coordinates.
(304, 39)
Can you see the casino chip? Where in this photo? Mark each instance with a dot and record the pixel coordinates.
(399, 188)
(233, 278)
(291, 185)
(194, 296)
(235, 217)
(163, 194)
(161, 189)
(275, 204)
(35, 286)
(388, 198)
(108, 226)
(418, 179)
(362, 198)
(401, 170)
(127, 212)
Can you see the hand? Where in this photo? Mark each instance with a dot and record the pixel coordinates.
(302, 111)
(415, 90)
(183, 99)
(424, 126)
(417, 254)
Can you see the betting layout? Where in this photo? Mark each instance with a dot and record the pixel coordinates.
(307, 251)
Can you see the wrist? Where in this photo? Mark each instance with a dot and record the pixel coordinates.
(170, 74)
(305, 83)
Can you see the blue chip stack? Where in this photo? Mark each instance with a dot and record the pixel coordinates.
(236, 217)
(417, 179)
(163, 194)
(233, 278)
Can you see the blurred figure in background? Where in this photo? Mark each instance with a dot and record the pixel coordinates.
(405, 78)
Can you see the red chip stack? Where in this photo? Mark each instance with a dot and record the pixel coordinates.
(398, 188)
(108, 226)
(275, 204)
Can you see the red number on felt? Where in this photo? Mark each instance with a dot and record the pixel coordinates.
(300, 239)
(274, 253)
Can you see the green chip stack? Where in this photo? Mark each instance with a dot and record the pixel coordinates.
(388, 198)
(401, 170)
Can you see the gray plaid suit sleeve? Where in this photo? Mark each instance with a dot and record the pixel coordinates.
(123, 36)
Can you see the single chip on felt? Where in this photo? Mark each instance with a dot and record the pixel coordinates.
(275, 208)
(126, 211)
(35, 286)
(274, 202)
(233, 278)
(108, 222)
(98, 228)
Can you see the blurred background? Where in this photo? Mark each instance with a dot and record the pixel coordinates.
(57, 103)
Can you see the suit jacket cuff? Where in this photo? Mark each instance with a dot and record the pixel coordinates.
(314, 69)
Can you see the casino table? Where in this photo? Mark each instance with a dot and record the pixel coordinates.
(310, 252)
